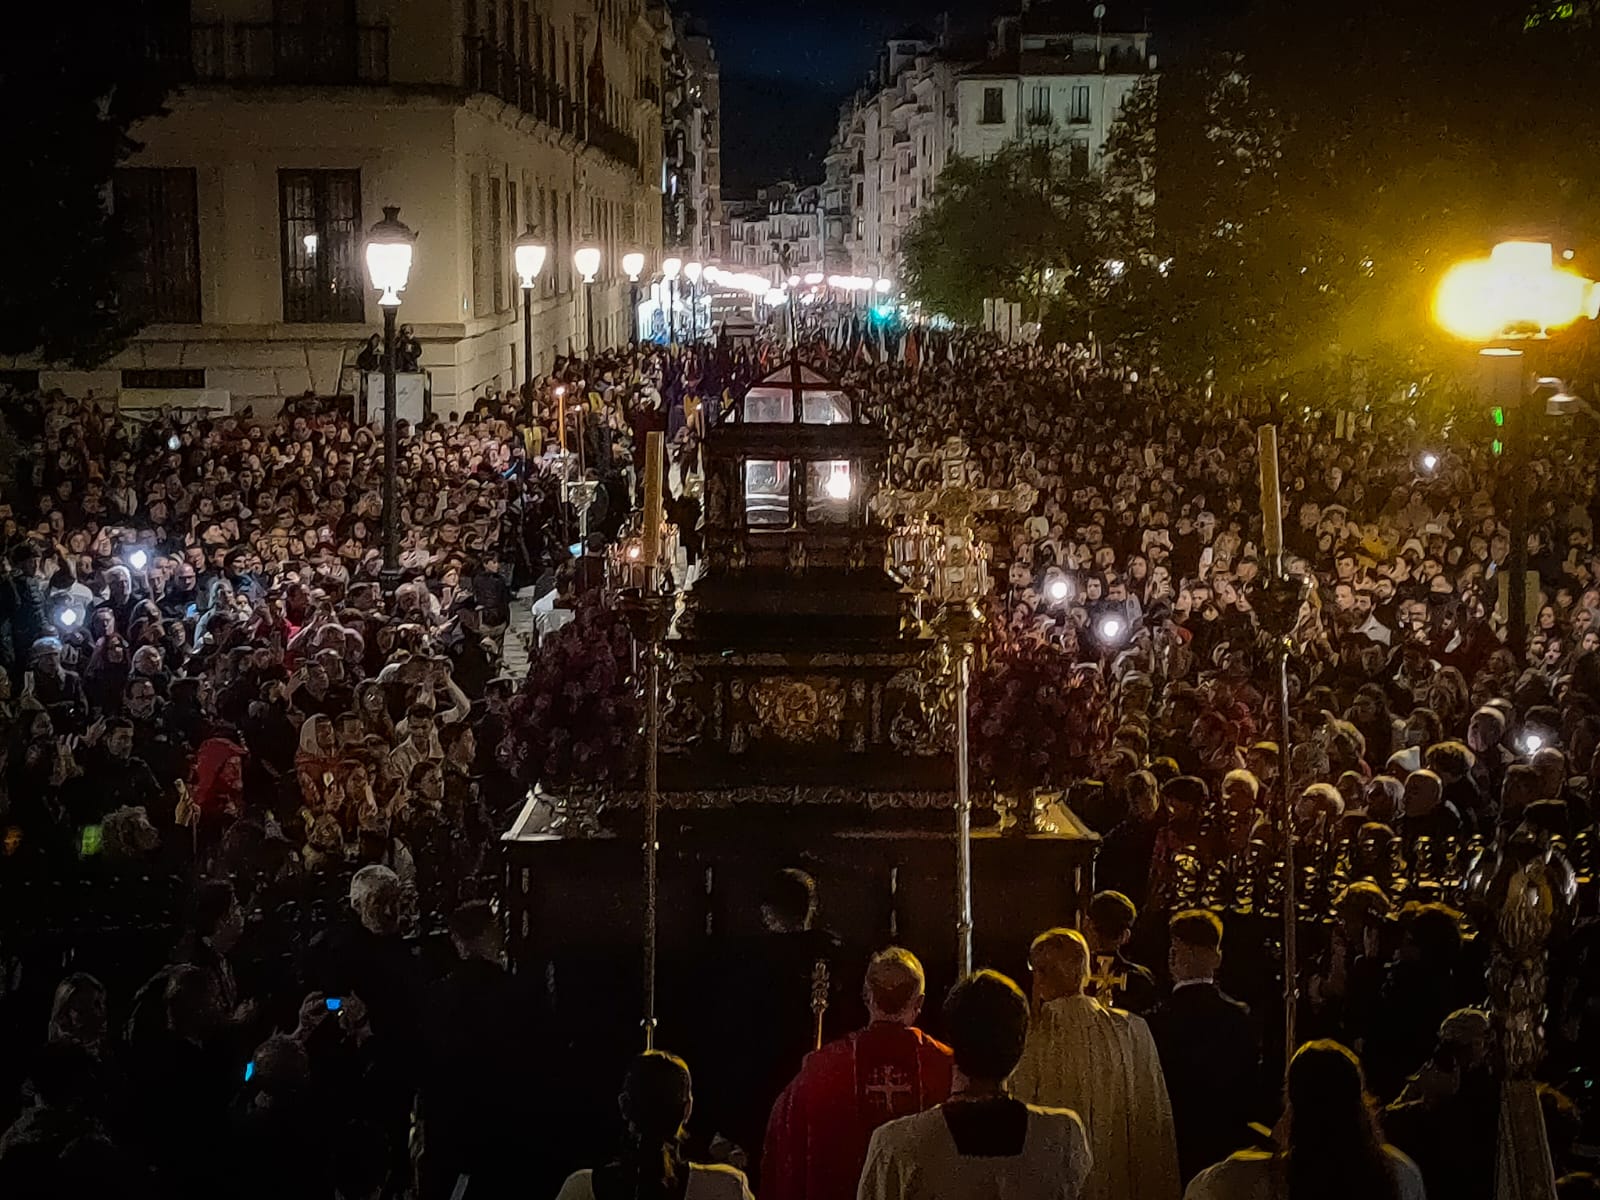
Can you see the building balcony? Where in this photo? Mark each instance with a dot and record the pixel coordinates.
(493, 70)
(611, 141)
(306, 54)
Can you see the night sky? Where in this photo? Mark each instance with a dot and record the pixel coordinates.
(787, 66)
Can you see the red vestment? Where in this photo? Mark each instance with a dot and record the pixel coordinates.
(817, 1135)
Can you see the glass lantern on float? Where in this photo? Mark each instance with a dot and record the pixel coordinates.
(915, 551)
(630, 568)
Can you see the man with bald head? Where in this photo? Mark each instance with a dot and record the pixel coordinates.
(1424, 812)
(821, 1125)
(1101, 1063)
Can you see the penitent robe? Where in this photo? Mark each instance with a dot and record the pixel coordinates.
(821, 1125)
(1102, 1064)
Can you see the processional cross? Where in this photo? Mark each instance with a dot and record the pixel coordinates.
(955, 577)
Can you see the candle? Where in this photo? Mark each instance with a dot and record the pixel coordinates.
(654, 449)
(1271, 504)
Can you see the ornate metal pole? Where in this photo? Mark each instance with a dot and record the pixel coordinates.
(646, 608)
(958, 626)
(1283, 612)
(652, 801)
(391, 452)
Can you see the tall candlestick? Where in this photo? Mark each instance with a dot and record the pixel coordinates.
(1271, 501)
(654, 450)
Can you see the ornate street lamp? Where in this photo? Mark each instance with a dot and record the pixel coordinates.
(669, 273)
(633, 265)
(390, 244)
(528, 254)
(692, 271)
(1514, 295)
(587, 259)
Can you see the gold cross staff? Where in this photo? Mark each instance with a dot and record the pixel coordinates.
(955, 503)
(957, 579)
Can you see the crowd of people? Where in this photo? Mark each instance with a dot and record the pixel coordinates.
(243, 755)
(220, 703)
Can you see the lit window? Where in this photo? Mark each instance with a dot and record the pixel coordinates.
(828, 490)
(768, 406)
(825, 408)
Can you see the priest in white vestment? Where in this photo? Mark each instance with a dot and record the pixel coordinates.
(1102, 1064)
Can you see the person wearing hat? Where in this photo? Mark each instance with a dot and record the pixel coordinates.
(1208, 1047)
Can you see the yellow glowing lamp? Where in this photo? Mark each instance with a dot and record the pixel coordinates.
(1517, 291)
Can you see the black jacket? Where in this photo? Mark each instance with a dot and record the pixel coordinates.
(1210, 1057)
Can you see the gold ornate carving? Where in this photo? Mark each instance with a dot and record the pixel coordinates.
(798, 709)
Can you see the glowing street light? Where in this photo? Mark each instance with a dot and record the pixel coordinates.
(633, 266)
(692, 271)
(669, 275)
(390, 246)
(882, 286)
(586, 259)
(528, 255)
(1517, 291)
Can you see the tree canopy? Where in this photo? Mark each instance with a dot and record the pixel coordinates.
(75, 82)
(1010, 227)
(1287, 198)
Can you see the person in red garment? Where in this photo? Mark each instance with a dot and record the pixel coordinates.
(817, 1135)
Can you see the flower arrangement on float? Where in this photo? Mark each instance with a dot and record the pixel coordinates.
(1037, 718)
(573, 727)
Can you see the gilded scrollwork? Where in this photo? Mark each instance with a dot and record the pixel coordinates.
(798, 709)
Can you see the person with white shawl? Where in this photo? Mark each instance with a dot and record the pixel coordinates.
(1102, 1064)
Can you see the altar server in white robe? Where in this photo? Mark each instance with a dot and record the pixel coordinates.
(982, 1143)
(1102, 1064)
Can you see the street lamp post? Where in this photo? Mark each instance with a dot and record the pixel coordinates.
(389, 248)
(529, 255)
(692, 271)
(669, 275)
(587, 259)
(1515, 296)
(633, 264)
